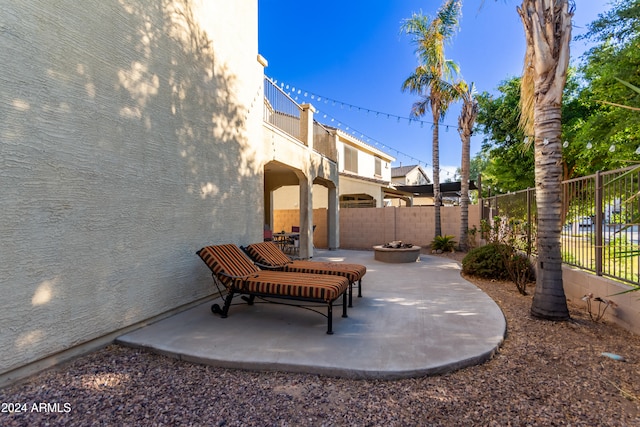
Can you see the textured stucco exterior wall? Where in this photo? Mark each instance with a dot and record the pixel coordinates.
(126, 132)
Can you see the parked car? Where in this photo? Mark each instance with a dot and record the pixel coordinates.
(585, 221)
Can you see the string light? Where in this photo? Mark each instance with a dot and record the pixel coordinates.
(370, 140)
(353, 107)
(339, 124)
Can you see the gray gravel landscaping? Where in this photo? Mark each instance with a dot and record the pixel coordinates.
(545, 374)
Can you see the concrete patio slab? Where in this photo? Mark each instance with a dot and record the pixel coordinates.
(414, 319)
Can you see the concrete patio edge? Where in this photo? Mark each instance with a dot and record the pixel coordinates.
(414, 320)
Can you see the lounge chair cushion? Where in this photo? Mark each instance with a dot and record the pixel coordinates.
(229, 259)
(296, 285)
(269, 254)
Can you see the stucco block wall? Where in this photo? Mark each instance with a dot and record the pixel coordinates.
(320, 235)
(284, 219)
(362, 228)
(579, 283)
(126, 134)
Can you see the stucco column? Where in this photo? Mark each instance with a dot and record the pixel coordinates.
(306, 124)
(306, 217)
(268, 207)
(333, 219)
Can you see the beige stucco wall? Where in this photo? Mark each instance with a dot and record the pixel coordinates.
(578, 283)
(356, 186)
(126, 132)
(288, 197)
(366, 157)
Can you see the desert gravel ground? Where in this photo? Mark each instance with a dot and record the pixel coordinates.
(545, 374)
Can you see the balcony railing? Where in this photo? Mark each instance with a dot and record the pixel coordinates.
(281, 111)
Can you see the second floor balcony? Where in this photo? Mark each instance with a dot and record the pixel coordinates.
(296, 120)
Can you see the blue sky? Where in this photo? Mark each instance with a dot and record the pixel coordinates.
(350, 53)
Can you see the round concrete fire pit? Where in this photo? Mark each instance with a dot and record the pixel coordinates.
(396, 255)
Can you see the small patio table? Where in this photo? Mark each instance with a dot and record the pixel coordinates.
(289, 243)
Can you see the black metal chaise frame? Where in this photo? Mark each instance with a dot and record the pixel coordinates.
(240, 276)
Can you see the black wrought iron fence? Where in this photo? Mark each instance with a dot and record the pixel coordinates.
(601, 217)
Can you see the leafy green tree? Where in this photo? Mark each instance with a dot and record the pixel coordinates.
(613, 133)
(510, 159)
(511, 164)
(431, 79)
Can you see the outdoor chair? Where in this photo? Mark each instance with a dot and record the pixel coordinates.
(268, 256)
(232, 268)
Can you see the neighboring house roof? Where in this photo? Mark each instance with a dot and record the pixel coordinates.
(402, 171)
(399, 171)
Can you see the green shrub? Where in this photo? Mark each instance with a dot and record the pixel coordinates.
(520, 270)
(486, 261)
(499, 261)
(443, 243)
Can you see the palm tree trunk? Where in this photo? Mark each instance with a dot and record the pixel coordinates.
(464, 192)
(547, 26)
(436, 170)
(467, 118)
(549, 300)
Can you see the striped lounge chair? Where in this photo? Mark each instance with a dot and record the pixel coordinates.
(267, 255)
(231, 267)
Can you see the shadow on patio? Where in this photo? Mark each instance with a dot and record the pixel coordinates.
(414, 319)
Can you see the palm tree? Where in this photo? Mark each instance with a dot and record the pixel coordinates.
(547, 25)
(431, 78)
(467, 118)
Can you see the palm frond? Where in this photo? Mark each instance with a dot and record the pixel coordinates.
(431, 78)
(620, 105)
(449, 17)
(629, 85)
(469, 111)
(450, 69)
(419, 108)
(527, 94)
